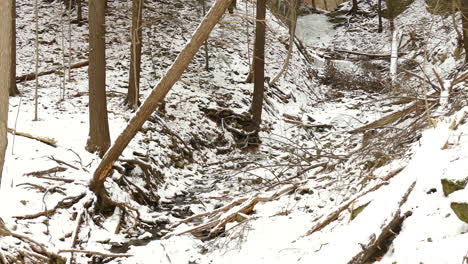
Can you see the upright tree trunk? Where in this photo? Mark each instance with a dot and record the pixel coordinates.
(157, 94)
(465, 27)
(79, 13)
(13, 90)
(379, 13)
(6, 15)
(99, 139)
(354, 8)
(135, 60)
(259, 64)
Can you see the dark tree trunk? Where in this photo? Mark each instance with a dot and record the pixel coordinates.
(465, 27)
(379, 13)
(13, 89)
(259, 64)
(79, 12)
(354, 8)
(157, 95)
(99, 139)
(135, 60)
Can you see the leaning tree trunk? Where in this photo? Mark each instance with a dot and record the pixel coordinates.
(465, 27)
(135, 57)
(6, 15)
(13, 90)
(99, 139)
(157, 95)
(259, 64)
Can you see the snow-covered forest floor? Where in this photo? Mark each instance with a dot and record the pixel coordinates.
(323, 186)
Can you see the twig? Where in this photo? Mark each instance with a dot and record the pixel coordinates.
(44, 172)
(61, 162)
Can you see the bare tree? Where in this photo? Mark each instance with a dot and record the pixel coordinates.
(379, 14)
(36, 90)
(156, 96)
(354, 8)
(79, 13)
(6, 15)
(13, 90)
(135, 57)
(464, 9)
(99, 139)
(292, 33)
(259, 64)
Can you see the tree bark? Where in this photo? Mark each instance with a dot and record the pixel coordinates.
(379, 13)
(13, 90)
(99, 139)
(158, 93)
(79, 13)
(259, 64)
(6, 15)
(135, 60)
(354, 8)
(465, 27)
(292, 35)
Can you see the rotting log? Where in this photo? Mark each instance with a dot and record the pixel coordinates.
(32, 76)
(157, 95)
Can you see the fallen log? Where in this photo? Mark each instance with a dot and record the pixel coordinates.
(393, 117)
(378, 246)
(33, 76)
(47, 141)
(370, 55)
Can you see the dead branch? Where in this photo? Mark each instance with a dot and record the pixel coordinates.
(391, 118)
(107, 255)
(26, 247)
(66, 203)
(32, 76)
(334, 215)
(237, 209)
(370, 55)
(61, 162)
(47, 141)
(377, 247)
(44, 172)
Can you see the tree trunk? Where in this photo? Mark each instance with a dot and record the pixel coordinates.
(292, 34)
(465, 27)
(6, 15)
(354, 8)
(135, 60)
(158, 93)
(379, 13)
(259, 62)
(13, 90)
(79, 13)
(99, 139)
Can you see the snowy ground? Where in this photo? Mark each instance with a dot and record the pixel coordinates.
(217, 172)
